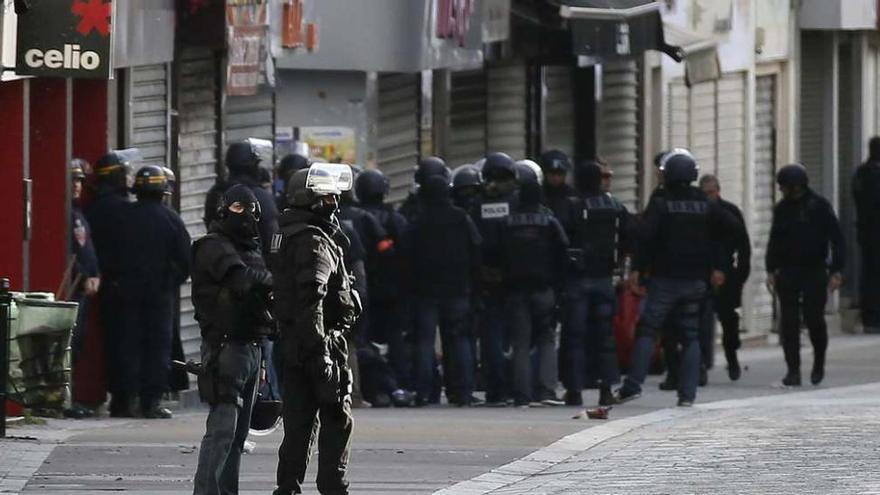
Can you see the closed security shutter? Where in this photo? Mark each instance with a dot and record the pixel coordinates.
(197, 162)
(619, 129)
(703, 122)
(508, 113)
(398, 130)
(558, 110)
(765, 170)
(812, 106)
(679, 116)
(250, 117)
(730, 148)
(849, 157)
(148, 104)
(467, 118)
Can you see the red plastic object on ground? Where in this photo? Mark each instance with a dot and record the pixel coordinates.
(13, 409)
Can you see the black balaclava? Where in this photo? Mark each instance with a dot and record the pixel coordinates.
(242, 227)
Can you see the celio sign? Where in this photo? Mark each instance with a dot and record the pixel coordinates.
(65, 39)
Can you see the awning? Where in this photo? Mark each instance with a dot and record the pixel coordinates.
(605, 30)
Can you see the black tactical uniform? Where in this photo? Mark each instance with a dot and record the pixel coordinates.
(534, 246)
(157, 262)
(315, 307)
(490, 215)
(231, 296)
(106, 213)
(428, 167)
(85, 261)
(866, 189)
(556, 196)
(599, 236)
(804, 236)
(682, 243)
(467, 185)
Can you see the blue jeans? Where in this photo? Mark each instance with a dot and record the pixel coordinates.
(494, 324)
(589, 331)
(531, 322)
(682, 301)
(451, 315)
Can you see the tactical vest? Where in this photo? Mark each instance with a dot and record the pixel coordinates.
(529, 249)
(684, 244)
(596, 235)
(222, 314)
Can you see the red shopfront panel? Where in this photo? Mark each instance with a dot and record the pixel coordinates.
(11, 186)
(48, 167)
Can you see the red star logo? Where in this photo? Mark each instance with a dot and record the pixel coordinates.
(94, 14)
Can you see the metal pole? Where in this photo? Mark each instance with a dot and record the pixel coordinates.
(5, 315)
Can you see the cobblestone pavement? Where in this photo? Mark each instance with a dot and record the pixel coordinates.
(817, 442)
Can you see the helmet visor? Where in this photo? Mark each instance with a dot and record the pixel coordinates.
(329, 178)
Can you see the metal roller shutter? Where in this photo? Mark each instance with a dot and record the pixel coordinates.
(148, 104)
(679, 116)
(619, 129)
(848, 159)
(398, 130)
(508, 114)
(250, 117)
(467, 118)
(730, 146)
(765, 170)
(197, 162)
(703, 125)
(812, 106)
(558, 110)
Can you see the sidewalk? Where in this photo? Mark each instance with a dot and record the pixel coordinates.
(814, 442)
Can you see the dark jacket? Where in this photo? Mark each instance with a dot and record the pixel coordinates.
(740, 246)
(106, 215)
(866, 189)
(157, 248)
(534, 245)
(385, 272)
(558, 200)
(600, 230)
(82, 248)
(684, 236)
(805, 232)
(312, 289)
(230, 288)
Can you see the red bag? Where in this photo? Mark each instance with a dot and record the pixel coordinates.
(625, 321)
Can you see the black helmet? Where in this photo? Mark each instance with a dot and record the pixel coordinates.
(242, 194)
(430, 167)
(498, 166)
(466, 176)
(793, 175)
(371, 186)
(150, 179)
(679, 167)
(113, 170)
(242, 158)
(554, 161)
(290, 164)
(171, 178)
(265, 417)
(588, 176)
(528, 171)
(308, 185)
(78, 168)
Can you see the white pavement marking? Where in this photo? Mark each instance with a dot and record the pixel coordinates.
(572, 445)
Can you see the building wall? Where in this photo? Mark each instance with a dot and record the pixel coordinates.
(325, 98)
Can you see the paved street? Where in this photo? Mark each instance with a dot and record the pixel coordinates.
(421, 451)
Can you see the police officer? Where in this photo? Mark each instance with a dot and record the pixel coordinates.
(315, 306)
(231, 296)
(85, 276)
(427, 167)
(729, 297)
(106, 213)
(286, 168)
(598, 230)
(866, 189)
(805, 259)
(443, 251)
(157, 262)
(533, 247)
(556, 166)
(385, 275)
(467, 185)
(681, 244)
(243, 163)
(490, 214)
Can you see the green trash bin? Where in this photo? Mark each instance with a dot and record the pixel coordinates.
(42, 331)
